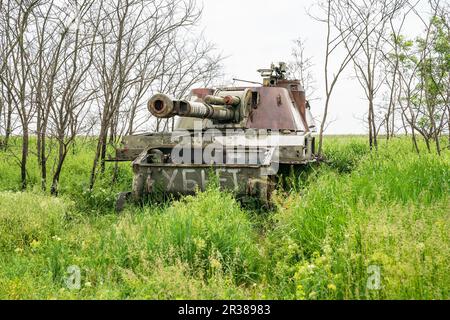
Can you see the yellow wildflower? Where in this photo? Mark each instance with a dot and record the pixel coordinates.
(35, 244)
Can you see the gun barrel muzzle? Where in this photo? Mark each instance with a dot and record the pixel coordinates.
(161, 106)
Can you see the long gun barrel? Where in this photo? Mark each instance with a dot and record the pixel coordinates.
(214, 107)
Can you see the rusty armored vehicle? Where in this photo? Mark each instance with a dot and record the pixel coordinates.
(245, 135)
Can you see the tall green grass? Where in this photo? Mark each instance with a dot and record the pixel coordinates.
(331, 224)
(390, 211)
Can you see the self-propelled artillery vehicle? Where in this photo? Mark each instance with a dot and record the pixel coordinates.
(246, 135)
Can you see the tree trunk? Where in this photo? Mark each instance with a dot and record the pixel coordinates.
(448, 124)
(43, 162)
(438, 143)
(116, 172)
(388, 128)
(8, 128)
(61, 157)
(322, 125)
(23, 164)
(393, 120)
(374, 129)
(427, 142)
(100, 142)
(39, 134)
(42, 134)
(369, 122)
(2, 106)
(103, 153)
(413, 135)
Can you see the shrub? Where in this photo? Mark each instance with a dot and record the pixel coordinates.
(27, 220)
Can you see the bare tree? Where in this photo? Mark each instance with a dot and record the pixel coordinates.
(62, 60)
(48, 60)
(367, 64)
(74, 92)
(147, 72)
(17, 68)
(7, 45)
(130, 30)
(336, 15)
(391, 66)
(190, 62)
(301, 68)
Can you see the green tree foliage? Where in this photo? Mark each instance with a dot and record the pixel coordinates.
(426, 61)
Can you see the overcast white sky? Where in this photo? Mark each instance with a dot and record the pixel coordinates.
(254, 33)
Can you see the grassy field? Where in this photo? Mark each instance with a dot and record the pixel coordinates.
(361, 226)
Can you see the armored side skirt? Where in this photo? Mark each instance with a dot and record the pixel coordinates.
(186, 179)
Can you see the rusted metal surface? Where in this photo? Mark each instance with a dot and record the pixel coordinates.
(275, 111)
(231, 100)
(201, 93)
(297, 94)
(227, 100)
